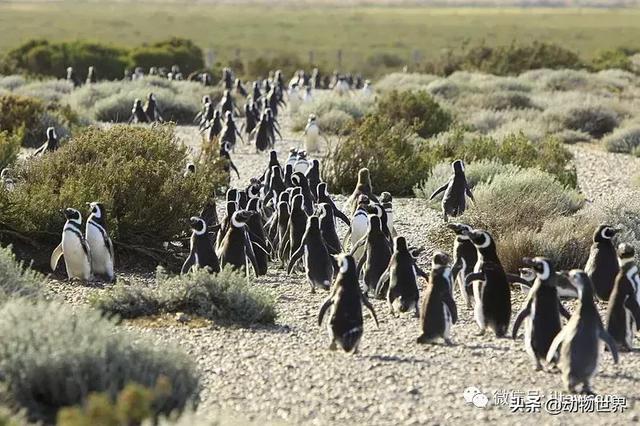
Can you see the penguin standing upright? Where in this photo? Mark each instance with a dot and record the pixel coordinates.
(402, 272)
(236, 249)
(72, 77)
(214, 126)
(100, 245)
(263, 138)
(491, 289)
(137, 113)
(312, 134)
(202, 254)
(91, 75)
(623, 311)
(323, 197)
(602, 265)
(50, 145)
(255, 226)
(74, 248)
(313, 176)
(438, 312)
(328, 228)
(454, 201)
(302, 164)
(359, 225)
(579, 340)
(296, 226)
(376, 257)
(292, 158)
(541, 311)
(205, 116)
(152, 110)
(230, 130)
(465, 257)
(250, 120)
(346, 300)
(363, 187)
(225, 149)
(300, 180)
(386, 201)
(318, 263)
(282, 230)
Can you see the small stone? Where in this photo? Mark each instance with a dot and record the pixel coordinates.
(182, 317)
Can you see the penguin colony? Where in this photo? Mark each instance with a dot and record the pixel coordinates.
(287, 216)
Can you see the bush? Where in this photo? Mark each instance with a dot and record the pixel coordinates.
(135, 171)
(12, 82)
(52, 357)
(15, 279)
(389, 149)
(224, 297)
(328, 104)
(505, 100)
(416, 108)
(623, 140)
(9, 148)
(572, 136)
(176, 51)
(611, 59)
(336, 122)
(48, 91)
(595, 119)
(402, 81)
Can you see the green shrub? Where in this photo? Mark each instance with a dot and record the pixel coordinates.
(416, 108)
(52, 357)
(335, 122)
(48, 91)
(328, 104)
(225, 297)
(389, 149)
(623, 140)
(595, 120)
(611, 59)
(176, 51)
(402, 81)
(15, 279)
(9, 148)
(135, 171)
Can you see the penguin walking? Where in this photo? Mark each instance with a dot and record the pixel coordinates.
(255, 228)
(225, 153)
(202, 253)
(438, 312)
(386, 201)
(300, 180)
(491, 289)
(236, 249)
(282, 226)
(579, 340)
(402, 272)
(214, 127)
(345, 319)
(295, 228)
(623, 311)
(323, 197)
(74, 248)
(72, 77)
(541, 311)
(312, 134)
(205, 116)
(137, 113)
(50, 145)
(328, 228)
(602, 265)
(376, 256)
(292, 158)
(302, 164)
(318, 263)
(465, 257)
(359, 225)
(250, 120)
(363, 187)
(152, 110)
(100, 245)
(454, 201)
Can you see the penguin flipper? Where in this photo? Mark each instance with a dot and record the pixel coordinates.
(439, 190)
(563, 311)
(383, 278)
(294, 258)
(337, 213)
(456, 268)
(517, 279)
(186, 267)
(357, 245)
(55, 257)
(611, 344)
(323, 309)
(525, 312)
(369, 306)
(553, 348)
(451, 304)
(420, 272)
(632, 304)
(474, 276)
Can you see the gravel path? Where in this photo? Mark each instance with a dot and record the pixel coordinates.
(286, 374)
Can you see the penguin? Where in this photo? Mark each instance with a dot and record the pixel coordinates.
(72, 77)
(386, 201)
(276, 185)
(402, 273)
(214, 126)
(438, 312)
(230, 208)
(256, 94)
(138, 115)
(189, 170)
(152, 110)
(541, 311)
(204, 117)
(263, 134)
(465, 257)
(579, 340)
(6, 180)
(230, 130)
(359, 225)
(311, 134)
(255, 228)
(226, 103)
(91, 75)
(236, 249)
(288, 172)
(292, 158)
(623, 311)
(602, 265)
(376, 256)
(380, 212)
(202, 253)
(240, 90)
(296, 227)
(454, 201)
(363, 187)
(323, 197)
(345, 320)
(318, 263)
(273, 162)
(302, 164)
(50, 145)
(74, 248)
(564, 287)
(367, 90)
(209, 212)
(328, 228)
(225, 149)
(313, 176)
(100, 245)
(491, 289)
(282, 226)
(300, 180)
(250, 120)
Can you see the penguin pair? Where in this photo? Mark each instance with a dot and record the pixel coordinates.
(50, 145)
(455, 192)
(85, 255)
(376, 256)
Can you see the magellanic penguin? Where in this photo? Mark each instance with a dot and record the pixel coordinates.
(152, 110)
(387, 204)
(541, 311)
(214, 127)
(579, 340)
(318, 263)
(137, 113)
(454, 201)
(602, 265)
(313, 176)
(50, 145)
(202, 253)
(295, 228)
(491, 288)
(465, 257)
(363, 187)
(236, 249)
(623, 311)
(376, 257)
(302, 164)
(359, 225)
(328, 228)
(300, 180)
(346, 300)
(100, 245)
(438, 312)
(255, 227)
(74, 248)
(323, 197)
(312, 134)
(402, 273)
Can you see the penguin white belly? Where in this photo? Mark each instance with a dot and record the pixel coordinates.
(629, 329)
(390, 223)
(101, 261)
(301, 166)
(359, 226)
(448, 321)
(76, 260)
(311, 140)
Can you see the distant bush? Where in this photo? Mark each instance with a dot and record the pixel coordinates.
(418, 109)
(53, 357)
(402, 81)
(389, 149)
(572, 136)
(336, 122)
(49, 91)
(224, 297)
(15, 279)
(505, 100)
(623, 140)
(328, 104)
(385, 60)
(9, 147)
(593, 118)
(121, 167)
(12, 82)
(485, 120)
(611, 59)
(176, 51)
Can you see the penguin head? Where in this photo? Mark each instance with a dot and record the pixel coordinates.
(347, 270)
(542, 267)
(458, 166)
(604, 233)
(225, 147)
(198, 225)
(226, 93)
(302, 155)
(315, 164)
(480, 238)
(240, 218)
(152, 97)
(400, 244)
(227, 116)
(313, 223)
(216, 115)
(322, 188)
(232, 194)
(312, 118)
(191, 168)
(5, 173)
(293, 152)
(439, 259)
(582, 283)
(51, 133)
(364, 178)
(206, 100)
(363, 202)
(385, 197)
(288, 170)
(528, 274)
(626, 253)
(137, 103)
(97, 209)
(299, 179)
(73, 215)
(273, 156)
(460, 229)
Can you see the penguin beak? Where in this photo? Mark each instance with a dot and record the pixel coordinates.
(527, 261)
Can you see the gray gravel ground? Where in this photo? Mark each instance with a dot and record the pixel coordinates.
(286, 374)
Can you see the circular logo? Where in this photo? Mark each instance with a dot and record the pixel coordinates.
(469, 393)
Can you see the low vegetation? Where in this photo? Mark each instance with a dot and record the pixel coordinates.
(418, 109)
(16, 280)
(223, 297)
(334, 113)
